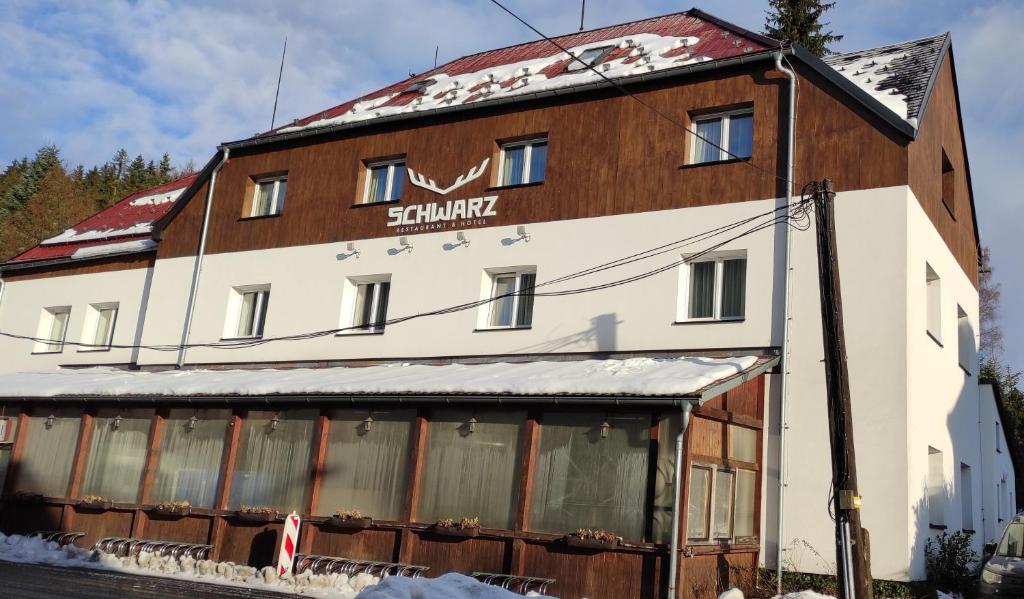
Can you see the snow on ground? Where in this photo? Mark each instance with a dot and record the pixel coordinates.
(21, 549)
(633, 377)
(449, 586)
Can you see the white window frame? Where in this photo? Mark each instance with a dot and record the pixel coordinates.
(349, 301)
(91, 324)
(527, 159)
(726, 118)
(276, 205)
(47, 344)
(490, 289)
(709, 513)
(933, 303)
(964, 341)
(936, 488)
(685, 281)
(234, 311)
(393, 171)
(966, 497)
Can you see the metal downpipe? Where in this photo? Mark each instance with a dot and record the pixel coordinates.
(677, 501)
(784, 391)
(194, 289)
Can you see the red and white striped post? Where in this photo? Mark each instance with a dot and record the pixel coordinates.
(290, 540)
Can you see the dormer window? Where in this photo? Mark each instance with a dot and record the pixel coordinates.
(269, 196)
(419, 86)
(588, 58)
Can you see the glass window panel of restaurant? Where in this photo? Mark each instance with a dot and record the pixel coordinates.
(721, 504)
(272, 467)
(664, 481)
(366, 467)
(191, 451)
(50, 442)
(472, 467)
(117, 454)
(591, 472)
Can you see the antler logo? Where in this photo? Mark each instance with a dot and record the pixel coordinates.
(474, 173)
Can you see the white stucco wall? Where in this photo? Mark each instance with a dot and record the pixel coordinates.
(998, 478)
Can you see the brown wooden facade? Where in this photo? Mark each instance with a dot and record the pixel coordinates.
(633, 570)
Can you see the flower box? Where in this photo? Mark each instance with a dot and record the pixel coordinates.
(456, 531)
(339, 523)
(97, 505)
(588, 543)
(247, 516)
(171, 510)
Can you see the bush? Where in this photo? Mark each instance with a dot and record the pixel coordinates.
(950, 561)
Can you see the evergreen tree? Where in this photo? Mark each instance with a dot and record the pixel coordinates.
(799, 21)
(165, 168)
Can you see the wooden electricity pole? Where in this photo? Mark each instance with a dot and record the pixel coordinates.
(852, 568)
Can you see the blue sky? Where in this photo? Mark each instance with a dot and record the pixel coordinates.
(156, 76)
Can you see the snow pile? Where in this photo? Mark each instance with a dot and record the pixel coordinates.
(449, 586)
(632, 55)
(673, 377)
(165, 197)
(107, 249)
(869, 72)
(72, 235)
(21, 549)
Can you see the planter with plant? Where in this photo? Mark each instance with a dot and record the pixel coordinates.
(256, 513)
(172, 508)
(349, 520)
(95, 502)
(592, 539)
(464, 527)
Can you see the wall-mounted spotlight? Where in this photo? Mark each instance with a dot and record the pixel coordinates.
(352, 249)
(405, 243)
(461, 238)
(521, 232)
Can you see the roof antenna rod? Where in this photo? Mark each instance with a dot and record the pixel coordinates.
(436, 48)
(583, 12)
(277, 93)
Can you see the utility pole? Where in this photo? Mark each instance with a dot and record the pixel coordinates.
(852, 567)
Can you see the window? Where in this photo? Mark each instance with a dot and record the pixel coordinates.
(948, 185)
(247, 312)
(591, 473)
(117, 454)
(511, 304)
(965, 338)
(472, 467)
(53, 326)
(50, 442)
(588, 58)
(269, 196)
(367, 305)
(272, 468)
(98, 331)
(936, 489)
(966, 497)
(934, 308)
(999, 439)
(367, 462)
(191, 448)
(715, 288)
(384, 181)
(723, 137)
(742, 444)
(720, 504)
(523, 162)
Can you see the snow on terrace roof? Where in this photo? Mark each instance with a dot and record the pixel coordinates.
(122, 228)
(634, 48)
(898, 75)
(636, 377)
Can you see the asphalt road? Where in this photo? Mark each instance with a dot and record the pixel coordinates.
(31, 581)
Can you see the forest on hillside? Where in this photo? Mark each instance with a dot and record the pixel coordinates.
(43, 195)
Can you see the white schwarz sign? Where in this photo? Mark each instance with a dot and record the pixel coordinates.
(435, 215)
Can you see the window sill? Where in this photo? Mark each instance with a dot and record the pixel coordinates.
(260, 216)
(514, 186)
(93, 349)
(684, 167)
(48, 351)
(709, 321)
(935, 339)
(358, 333)
(493, 329)
(371, 204)
(969, 530)
(937, 526)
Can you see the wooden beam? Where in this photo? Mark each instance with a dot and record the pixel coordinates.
(527, 464)
(318, 457)
(78, 465)
(418, 448)
(652, 475)
(17, 451)
(220, 523)
(156, 429)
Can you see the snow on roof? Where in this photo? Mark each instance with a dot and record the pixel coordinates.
(897, 75)
(634, 48)
(126, 221)
(642, 377)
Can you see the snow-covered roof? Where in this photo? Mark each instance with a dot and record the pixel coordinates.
(633, 377)
(126, 227)
(897, 75)
(655, 44)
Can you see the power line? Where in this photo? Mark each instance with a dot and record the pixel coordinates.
(797, 217)
(630, 94)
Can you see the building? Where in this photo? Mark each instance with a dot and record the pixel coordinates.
(498, 289)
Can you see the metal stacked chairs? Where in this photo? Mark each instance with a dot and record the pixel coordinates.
(324, 564)
(124, 547)
(58, 536)
(516, 584)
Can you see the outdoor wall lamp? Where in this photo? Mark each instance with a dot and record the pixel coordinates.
(604, 429)
(368, 423)
(471, 424)
(352, 249)
(273, 423)
(116, 423)
(521, 232)
(192, 423)
(461, 238)
(49, 421)
(405, 243)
